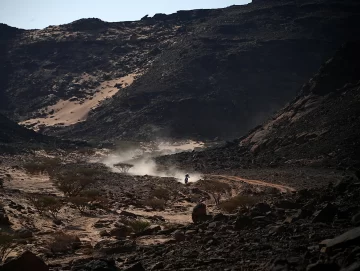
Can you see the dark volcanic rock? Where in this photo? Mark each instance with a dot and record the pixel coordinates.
(4, 219)
(349, 237)
(286, 204)
(121, 231)
(323, 266)
(326, 214)
(113, 247)
(128, 214)
(24, 233)
(96, 265)
(199, 213)
(150, 230)
(26, 261)
(135, 267)
(356, 219)
(243, 222)
(179, 235)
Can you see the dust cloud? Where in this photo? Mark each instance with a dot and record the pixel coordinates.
(141, 157)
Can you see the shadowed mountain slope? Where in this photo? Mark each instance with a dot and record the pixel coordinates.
(320, 127)
(229, 72)
(195, 74)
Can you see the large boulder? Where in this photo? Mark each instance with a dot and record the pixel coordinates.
(4, 220)
(27, 261)
(199, 213)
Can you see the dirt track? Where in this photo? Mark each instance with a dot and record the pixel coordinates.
(282, 188)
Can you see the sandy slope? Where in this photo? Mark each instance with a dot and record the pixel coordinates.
(68, 112)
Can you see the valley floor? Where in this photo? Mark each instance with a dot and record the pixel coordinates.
(140, 225)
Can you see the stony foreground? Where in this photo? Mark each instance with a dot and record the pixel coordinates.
(307, 229)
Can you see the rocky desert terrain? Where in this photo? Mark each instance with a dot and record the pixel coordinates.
(100, 123)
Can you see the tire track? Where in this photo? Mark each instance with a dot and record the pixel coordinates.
(282, 188)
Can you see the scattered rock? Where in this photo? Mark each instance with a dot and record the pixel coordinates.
(149, 230)
(352, 267)
(342, 185)
(24, 233)
(104, 233)
(102, 223)
(4, 219)
(242, 222)
(323, 267)
(286, 204)
(96, 265)
(326, 214)
(356, 219)
(262, 207)
(157, 266)
(136, 267)
(347, 238)
(128, 214)
(276, 229)
(190, 232)
(121, 231)
(179, 236)
(219, 217)
(157, 218)
(113, 247)
(57, 222)
(214, 225)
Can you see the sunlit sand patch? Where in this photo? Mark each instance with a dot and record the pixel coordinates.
(69, 112)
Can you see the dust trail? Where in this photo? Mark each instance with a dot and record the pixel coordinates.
(143, 164)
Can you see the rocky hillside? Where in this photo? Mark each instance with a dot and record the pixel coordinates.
(320, 127)
(15, 138)
(199, 74)
(11, 132)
